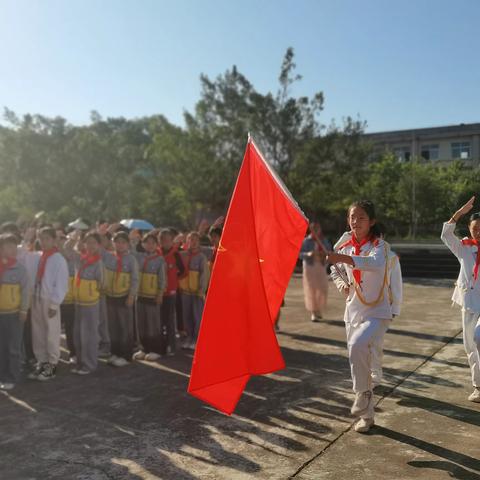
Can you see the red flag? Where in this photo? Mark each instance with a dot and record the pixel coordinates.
(261, 238)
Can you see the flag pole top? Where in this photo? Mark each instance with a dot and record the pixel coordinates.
(249, 137)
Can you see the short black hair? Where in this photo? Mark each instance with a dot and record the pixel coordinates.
(8, 238)
(474, 216)
(50, 231)
(121, 235)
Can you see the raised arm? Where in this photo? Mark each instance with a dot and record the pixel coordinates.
(448, 232)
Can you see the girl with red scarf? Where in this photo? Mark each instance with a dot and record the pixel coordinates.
(361, 273)
(467, 287)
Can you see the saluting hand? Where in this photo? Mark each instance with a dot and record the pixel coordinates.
(463, 210)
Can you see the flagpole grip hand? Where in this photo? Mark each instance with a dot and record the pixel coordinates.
(334, 258)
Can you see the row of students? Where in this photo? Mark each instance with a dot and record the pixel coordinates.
(93, 281)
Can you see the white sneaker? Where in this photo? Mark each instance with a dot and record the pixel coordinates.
(7, 386)
(361, 403)
(119, 362)
(112, 359)
(475, 396)
(152, 356)
(83, 371)
(192, 345)
(140, 355)
(364, 425)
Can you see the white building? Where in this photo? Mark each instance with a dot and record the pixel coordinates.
(437, 144)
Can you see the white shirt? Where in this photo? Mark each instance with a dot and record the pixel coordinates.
(54, 284)
(395, 283)
(467, 290)
(372, 262)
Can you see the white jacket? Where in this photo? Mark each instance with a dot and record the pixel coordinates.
(395, 283)
(467, 290)
(54, 284)
(371, 299)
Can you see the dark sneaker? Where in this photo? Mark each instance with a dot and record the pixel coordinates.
(33, 375)
(47, 372)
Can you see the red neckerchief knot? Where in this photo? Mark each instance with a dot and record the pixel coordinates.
(473, 243)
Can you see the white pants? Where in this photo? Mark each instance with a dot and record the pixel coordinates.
(377, 353)
(45, 332)
(471, 342)
(362, 339)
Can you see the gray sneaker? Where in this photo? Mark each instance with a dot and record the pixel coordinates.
(364, 425)
(475, 396)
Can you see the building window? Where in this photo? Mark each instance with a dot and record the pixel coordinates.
(429, 152)
(402, 154)
(461, 150)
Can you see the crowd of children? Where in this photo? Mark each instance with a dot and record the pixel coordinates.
(124, 296)
(118, 294)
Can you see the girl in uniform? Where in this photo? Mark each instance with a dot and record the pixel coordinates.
(362, 275)
(467, 288)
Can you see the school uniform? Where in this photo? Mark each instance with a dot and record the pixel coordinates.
(151, 285)
(174, 270)
(193, 287)
(395, 294)
(87, 285)
(467, 294)
(121, 280)
(51, 286)
(14, 299)
(67, 309)
(368, 310)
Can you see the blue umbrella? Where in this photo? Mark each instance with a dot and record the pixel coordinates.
(137, 224)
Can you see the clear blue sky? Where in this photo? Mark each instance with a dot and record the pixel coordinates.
(396, 64)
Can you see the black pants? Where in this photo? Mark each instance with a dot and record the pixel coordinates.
(67, 314)
(120, 327)
(149, 328)
(167, 317)
(27, 339)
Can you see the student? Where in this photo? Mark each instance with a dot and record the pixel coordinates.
(67, 308)
(362, 275)
(467, 289)
(193, 287)
(51, 285)
(174, 270)
(315, 279)
(150, 297)
(88, 283)
(14, 303)
(121, 286)
(395, 293)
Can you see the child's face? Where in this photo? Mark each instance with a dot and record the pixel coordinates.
(359, 222)
(92, 246)
(121, 245)
(193, 242)
(474, 228)
(9, 250)
(46, 241)
(150, 245)
(166, 241)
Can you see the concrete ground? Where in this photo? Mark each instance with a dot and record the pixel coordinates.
(139, 423)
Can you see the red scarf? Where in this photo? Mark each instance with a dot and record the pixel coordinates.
(473, 243)
(6, 266)
(148, 259)
(46, 254)
(85, 261)
(357, 274)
